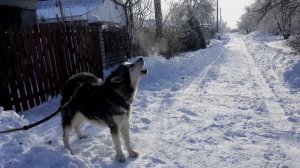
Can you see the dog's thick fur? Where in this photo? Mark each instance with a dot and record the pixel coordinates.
(107, 103)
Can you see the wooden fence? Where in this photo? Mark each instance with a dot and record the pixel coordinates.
(35, 61)
(116, 44)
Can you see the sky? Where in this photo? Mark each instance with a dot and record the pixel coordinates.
(232, 10)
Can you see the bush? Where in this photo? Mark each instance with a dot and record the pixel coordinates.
(191, 40)
(169, 45)
(174, 40)
(194, 24)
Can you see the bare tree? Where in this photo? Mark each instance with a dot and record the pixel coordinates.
(283, 11)
(248, 22)
(173, 33)
(177, 12)
(141, 11)
(195, 13)
(284, 14)
(127, 6)
(263, 7)
(58, 3)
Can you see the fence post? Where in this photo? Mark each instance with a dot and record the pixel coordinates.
(98, 24)
(102, 48)
(5, 69)
(4, 93)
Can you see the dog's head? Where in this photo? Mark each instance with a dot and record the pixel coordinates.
(127, 75)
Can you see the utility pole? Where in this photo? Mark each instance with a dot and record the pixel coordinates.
(221, 19)
(158, 18)
(217, 16)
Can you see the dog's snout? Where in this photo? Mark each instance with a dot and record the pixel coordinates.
(140, 60)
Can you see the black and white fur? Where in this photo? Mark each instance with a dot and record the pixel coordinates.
(107, 103)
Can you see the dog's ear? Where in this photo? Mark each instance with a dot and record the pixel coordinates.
(116, 79)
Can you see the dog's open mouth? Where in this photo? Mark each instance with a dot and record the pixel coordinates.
(144, 71)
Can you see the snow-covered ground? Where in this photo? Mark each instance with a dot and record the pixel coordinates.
(218, 107)
(275, 58)
(275, 42)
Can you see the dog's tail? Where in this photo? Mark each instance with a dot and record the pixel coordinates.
(26, 127)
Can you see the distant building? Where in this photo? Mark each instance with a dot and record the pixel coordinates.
(18, 11)
(79, 11)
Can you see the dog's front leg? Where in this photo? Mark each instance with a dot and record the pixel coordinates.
(115, 134)
(126, 138)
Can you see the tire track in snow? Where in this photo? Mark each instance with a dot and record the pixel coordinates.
(288, 97)
(280, 112)
(239, 126)
(276, 110)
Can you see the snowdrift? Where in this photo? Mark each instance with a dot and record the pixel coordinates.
(273, 55)
(26, 149)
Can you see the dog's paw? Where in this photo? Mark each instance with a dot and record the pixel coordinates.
(133, 154)
(120, 157)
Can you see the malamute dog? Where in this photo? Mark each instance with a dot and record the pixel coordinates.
(107, 103)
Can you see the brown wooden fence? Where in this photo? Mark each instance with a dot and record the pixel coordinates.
(35, 61)
(116, 44)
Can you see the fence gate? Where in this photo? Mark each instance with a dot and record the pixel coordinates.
(35, 61)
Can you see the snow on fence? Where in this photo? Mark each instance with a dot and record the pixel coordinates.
(35, 61)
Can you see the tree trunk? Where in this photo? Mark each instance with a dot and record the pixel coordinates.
(194, 24)
(130, 18)
(128, 12)
(130, 27)
(158, 19)
(286, 35)
(61, 10)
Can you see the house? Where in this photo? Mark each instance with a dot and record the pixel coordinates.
(18, 11)
(50, 11)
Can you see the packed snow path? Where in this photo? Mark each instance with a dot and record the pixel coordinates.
(226, 116)
(212, 110)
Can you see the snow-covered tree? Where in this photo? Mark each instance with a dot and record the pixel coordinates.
(270, 14)
(248, 22)
(202, 10)
(195, 13)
